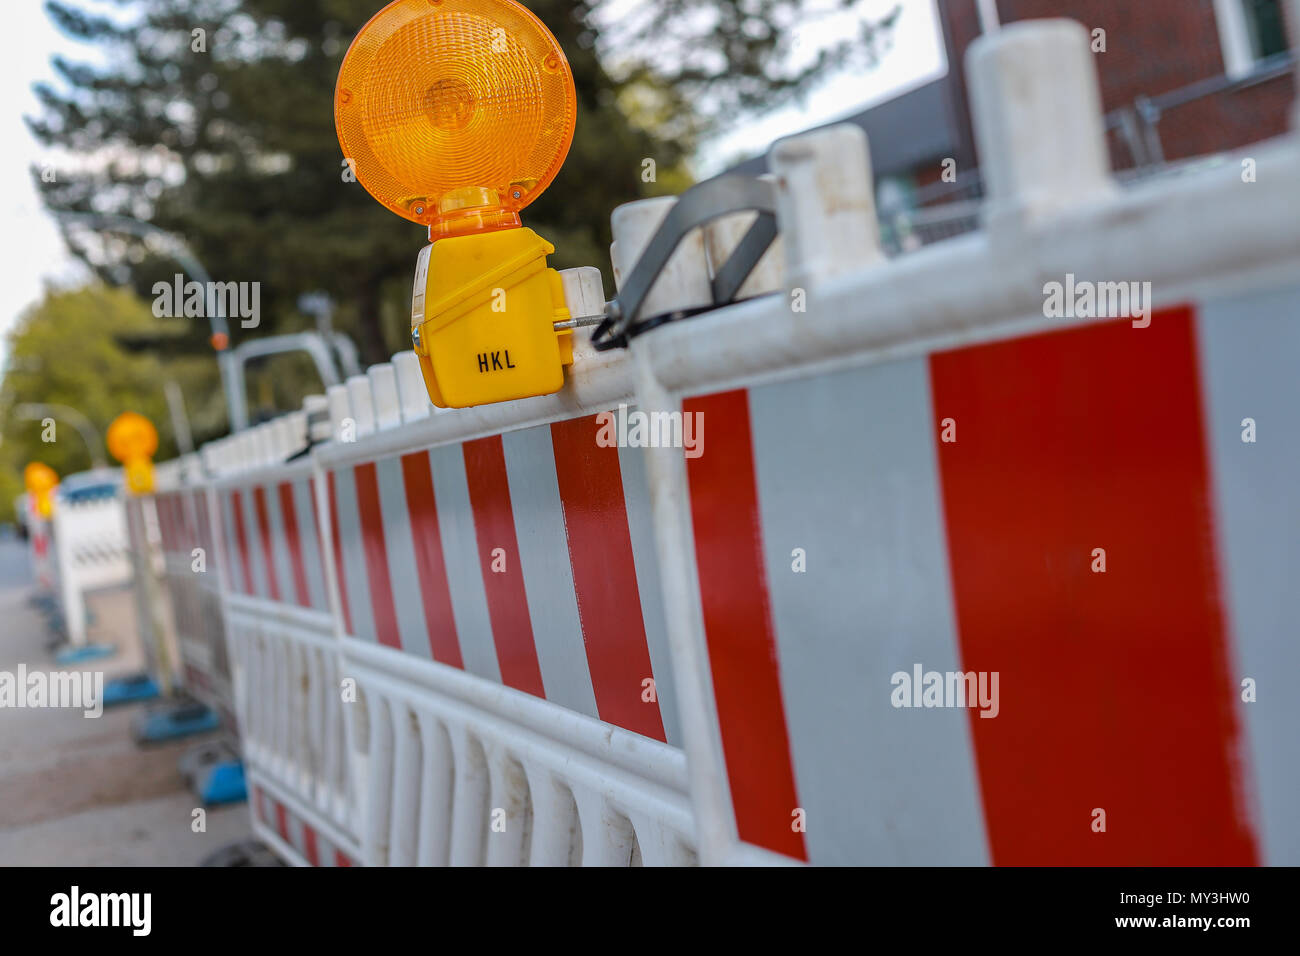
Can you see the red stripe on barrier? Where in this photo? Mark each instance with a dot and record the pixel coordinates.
(264, 529)
(604, 576)
(310, 849)
(340, 859)
(344, 606)
(237, 512)
(494, 526)
(1114, 687)
(282, 822)
(439, 621)
(738, 627)
(290, 516)
(372, 541)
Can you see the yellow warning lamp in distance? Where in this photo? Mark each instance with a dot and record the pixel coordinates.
(457, 114)
(133, 440)
(41, 480)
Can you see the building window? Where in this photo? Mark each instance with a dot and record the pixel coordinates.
(1249, 31)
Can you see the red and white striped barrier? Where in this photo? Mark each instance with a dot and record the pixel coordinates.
(294, 838)
(518, 558)
(926, 474)
(186, 554)
(38, 545)
(281, 635)
(953, 576)
(498, 602)
(1075, 511)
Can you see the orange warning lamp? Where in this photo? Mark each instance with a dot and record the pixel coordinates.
(133, 440)
(41, 480)
(457, 114)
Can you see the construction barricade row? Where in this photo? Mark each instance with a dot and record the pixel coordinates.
(936, 568)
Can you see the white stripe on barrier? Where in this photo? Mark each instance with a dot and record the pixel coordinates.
(461, 556)
(636, 495)
(310, 542)
(354, 566)
(548, 580)
(279, 543)
(400, 546)
(862, 506)
(1248, 350)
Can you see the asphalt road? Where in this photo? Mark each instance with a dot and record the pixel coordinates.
(15, 569)
(77, 790)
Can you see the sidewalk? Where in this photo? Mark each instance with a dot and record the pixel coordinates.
(79, 791)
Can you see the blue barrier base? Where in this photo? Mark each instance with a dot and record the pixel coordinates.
(221, 783)
(128, 690)
(215, 772)
(86, 652)
(172, 720)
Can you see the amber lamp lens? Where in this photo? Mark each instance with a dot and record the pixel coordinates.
(455, 113)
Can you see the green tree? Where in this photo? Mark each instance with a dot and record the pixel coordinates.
(65, 351)
(731, 59)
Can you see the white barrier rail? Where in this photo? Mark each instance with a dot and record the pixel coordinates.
(547, 650)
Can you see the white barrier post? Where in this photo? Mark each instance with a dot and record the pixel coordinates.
(826, 210)
(363, 405)
(684, 282)
(689, 285)
(411, 392)
(340, 405)
(725, 233)
(1036, 107)
(383, 388)
(316, 413)
(584, 291)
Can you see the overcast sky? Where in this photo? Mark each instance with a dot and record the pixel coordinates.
(33, 251)
(34, 254)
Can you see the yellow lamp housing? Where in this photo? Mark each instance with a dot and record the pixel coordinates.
(457, 114)
(133, 440)
(41, 480)
(483, 317)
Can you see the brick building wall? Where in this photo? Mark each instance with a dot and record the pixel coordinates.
(1152, 47)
